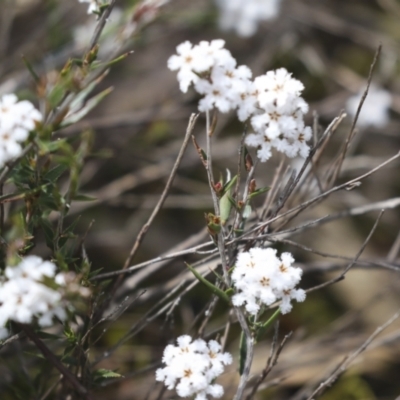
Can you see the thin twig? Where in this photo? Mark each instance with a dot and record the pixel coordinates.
(345, 185)
(47, 353)
(344, 364)
(101, 24)
(350, 136)
(192, 250)
(146, 226)
(342, 275)
(272, 361)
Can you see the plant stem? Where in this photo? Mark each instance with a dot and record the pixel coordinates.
(222, 253)
(47, 353)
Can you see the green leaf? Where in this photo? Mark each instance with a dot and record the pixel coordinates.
(242, 352)
(48, 232)
(77, 102)
(259, 191)
(47, 146)
(225, 202)
(28, 65)
(112, 62)
(225, 207)
(71, 227)
(90, 104)
(220, 293)
(55, 173)
(83, 197)
(228, 185)
(56, 95)
(267, 324)
(102, 374)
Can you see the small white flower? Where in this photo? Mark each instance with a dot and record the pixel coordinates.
(215, 95)
(192, 366)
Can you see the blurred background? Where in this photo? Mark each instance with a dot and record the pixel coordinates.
(329, 45)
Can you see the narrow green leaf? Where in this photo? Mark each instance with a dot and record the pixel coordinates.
(225, 202)
(47, 146)
(261, 331)
(28, 65)
(55, 173)
(48, 232)
(77, 102)
(102, 373)
(228, 185)
(112, 62)
(56, 95)
(225, 207)
(90, 104)
(73, 225)
(233, 202)
(259, 191)
(242, 352)
(221, 294)
(83, 197)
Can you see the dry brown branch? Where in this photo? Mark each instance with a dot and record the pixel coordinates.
(342, 275)
(272, 360)
(310, 202)
(342, 366)
(48, 354)
(101, 24)
(342, 153)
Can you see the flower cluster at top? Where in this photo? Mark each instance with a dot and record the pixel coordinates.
(261, 277)
(27, 291)
(17, 118)
(271, 101)
(244, 16)
(192, 366)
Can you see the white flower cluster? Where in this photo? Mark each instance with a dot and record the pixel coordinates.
(244, 16)
(279, 122)
(375, 110)
(195, 364)
(25, 295)
(261, 277)
(272, 101)
(17, 118)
